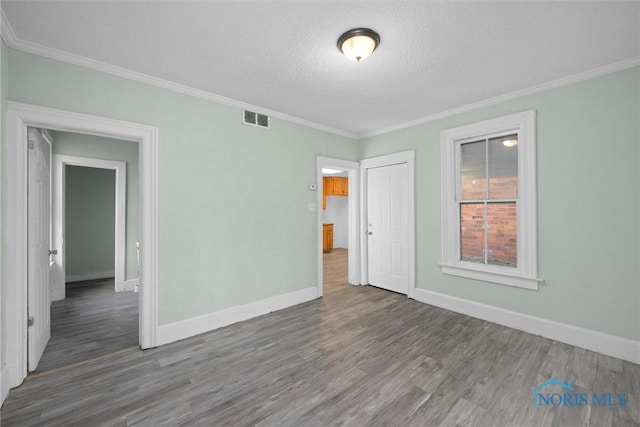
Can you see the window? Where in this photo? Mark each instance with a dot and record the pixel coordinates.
(489, 201)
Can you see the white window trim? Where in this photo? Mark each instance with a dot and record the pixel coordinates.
(525, 275)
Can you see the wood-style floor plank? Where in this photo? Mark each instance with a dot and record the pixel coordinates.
(92, 321)
(360, 356)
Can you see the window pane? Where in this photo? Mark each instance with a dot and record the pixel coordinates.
(502, 248)
(503, 167)
(474, 171)
(472, 232)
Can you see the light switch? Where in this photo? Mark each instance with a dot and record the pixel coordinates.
(313, 187)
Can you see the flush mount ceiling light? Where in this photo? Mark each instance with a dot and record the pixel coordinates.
(510, 142)
(359, 43)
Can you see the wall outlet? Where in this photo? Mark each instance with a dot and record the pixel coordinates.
(311, 207)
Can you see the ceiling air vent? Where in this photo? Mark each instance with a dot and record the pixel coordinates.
(255, 119)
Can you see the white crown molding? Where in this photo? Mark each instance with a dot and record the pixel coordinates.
(6, 31)
(29, 47)
(15, 43)
(554, 84)
(610, 345)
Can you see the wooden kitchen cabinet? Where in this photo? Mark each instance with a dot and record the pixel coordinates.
(334, 186)
(327, 237)
(340, 186)
(326, 181)
(327, 184)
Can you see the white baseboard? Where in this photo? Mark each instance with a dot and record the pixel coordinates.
(208, 322)
(610, 345)
(89, 276)
(130, 285)
(4, 385)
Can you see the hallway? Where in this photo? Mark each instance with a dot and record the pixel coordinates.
(92, 321)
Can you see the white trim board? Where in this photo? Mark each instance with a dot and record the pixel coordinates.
(523, 125)
(19, 117)
(610, 345)
(130, 285)
(47, 52)
(59, 163)
(197, 325)
(91, 276)
(4, 384)
(29, 47)
(553, 84)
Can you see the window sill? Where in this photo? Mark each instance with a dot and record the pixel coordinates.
(491, 276)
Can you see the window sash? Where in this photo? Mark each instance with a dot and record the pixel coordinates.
(487, 225)
(488, 197)
(524, 274)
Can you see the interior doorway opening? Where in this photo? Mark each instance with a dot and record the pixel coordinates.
(94, 232)
(95, 226)
(335, 229)
(14, 305)
(338, 211)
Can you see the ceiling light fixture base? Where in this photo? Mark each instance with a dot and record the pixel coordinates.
(359, 43)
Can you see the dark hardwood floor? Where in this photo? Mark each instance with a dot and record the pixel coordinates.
(92, 321)
(358, 356)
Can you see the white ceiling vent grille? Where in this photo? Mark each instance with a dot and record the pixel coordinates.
(255, 119)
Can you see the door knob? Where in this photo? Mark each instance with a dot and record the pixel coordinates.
(369, 233)
(53, 252)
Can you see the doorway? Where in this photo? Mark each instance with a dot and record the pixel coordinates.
(341, 215)
(335, 230)
(94, 235)
(359, 242)
(125, 202)
(78, 315)
(19, 117)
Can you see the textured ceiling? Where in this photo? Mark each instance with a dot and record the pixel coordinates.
(282, 56)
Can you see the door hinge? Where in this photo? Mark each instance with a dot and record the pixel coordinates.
(31, 144)
(30, 321)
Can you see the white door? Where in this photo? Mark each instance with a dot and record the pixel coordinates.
(387, 228)
(38, 278)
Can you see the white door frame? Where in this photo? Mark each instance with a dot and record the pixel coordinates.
(353, 238)
(14, 274)
(407, 157)
(59, 164)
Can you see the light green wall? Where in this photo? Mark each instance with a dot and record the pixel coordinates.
(90, 202)
(588, 141)
(79, 145)
(233, 221)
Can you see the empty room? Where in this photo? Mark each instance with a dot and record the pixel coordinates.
(306, 213)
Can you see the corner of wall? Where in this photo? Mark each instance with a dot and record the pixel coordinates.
(208, 322)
